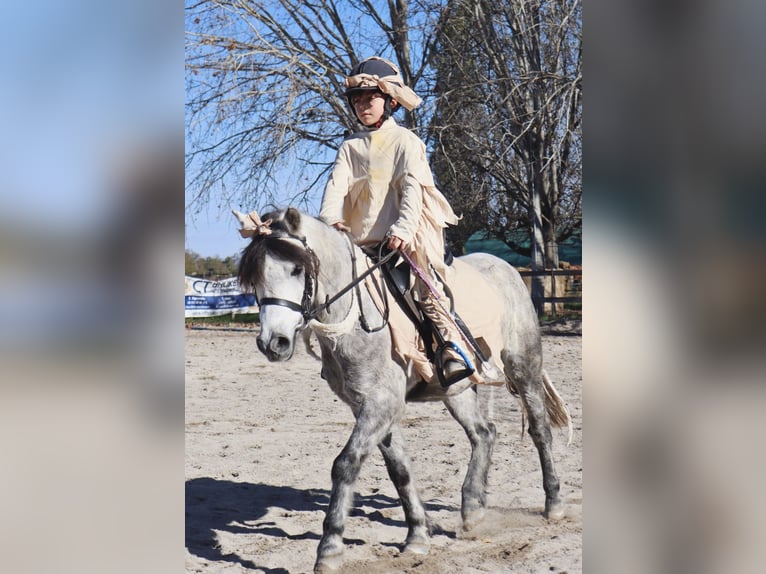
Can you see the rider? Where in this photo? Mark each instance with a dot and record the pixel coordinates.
(382, 189)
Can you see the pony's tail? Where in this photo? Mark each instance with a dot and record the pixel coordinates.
(557, 410)
(554, 405)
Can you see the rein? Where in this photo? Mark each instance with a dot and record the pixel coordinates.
(356, 280)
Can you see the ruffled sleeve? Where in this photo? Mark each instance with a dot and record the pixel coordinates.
(435, 212)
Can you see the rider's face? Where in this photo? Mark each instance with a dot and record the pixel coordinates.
(369, 107)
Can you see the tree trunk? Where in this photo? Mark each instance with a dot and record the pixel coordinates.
(551, 246)
(538, 248)
(552, 262)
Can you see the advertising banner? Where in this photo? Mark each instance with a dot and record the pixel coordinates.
(205, 298)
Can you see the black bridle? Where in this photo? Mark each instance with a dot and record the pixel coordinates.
(310, 280)
(304, 307)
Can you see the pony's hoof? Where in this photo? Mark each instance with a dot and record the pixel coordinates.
(416, 547)
(328, 563)
(472, 519)
(554, 511)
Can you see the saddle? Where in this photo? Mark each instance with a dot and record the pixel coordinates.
(417, 338)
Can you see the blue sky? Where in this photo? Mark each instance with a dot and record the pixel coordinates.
(213, 231)
(213, 234)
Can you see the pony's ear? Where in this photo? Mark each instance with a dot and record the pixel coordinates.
(292, 220)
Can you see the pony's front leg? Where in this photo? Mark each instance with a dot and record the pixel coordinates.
(398, 466)
(370, 428)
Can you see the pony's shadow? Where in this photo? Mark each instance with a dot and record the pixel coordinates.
(236, 507)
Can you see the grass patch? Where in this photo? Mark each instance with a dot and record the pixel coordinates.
(238, 319)
(566, 313)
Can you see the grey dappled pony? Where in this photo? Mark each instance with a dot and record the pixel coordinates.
(295, 265)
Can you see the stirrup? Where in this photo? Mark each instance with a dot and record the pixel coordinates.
(458, 375)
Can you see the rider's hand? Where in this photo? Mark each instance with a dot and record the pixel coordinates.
(340, 226)
(395, 242)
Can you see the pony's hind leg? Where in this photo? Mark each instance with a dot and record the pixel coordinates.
(372, 425)
(398, 466)
(527, 377)
(481, 433)
(540, 431)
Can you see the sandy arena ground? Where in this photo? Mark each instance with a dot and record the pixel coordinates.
(261, 438)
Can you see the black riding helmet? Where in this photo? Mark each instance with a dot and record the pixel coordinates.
(372, 67)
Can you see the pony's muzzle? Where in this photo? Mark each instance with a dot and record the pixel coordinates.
(277, 348)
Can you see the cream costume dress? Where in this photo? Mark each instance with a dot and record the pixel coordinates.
(382, 183)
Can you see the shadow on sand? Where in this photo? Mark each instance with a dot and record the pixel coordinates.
(239, 507)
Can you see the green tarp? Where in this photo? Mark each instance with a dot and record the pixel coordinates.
(569, 251)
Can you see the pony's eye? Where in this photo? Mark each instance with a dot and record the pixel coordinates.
(297, 270)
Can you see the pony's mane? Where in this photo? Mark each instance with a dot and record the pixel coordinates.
(283, 226)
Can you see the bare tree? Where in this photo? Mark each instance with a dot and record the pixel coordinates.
(508, 120)
(265, 114)
(461, 117)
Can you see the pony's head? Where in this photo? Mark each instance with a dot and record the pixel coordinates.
(280, 268)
